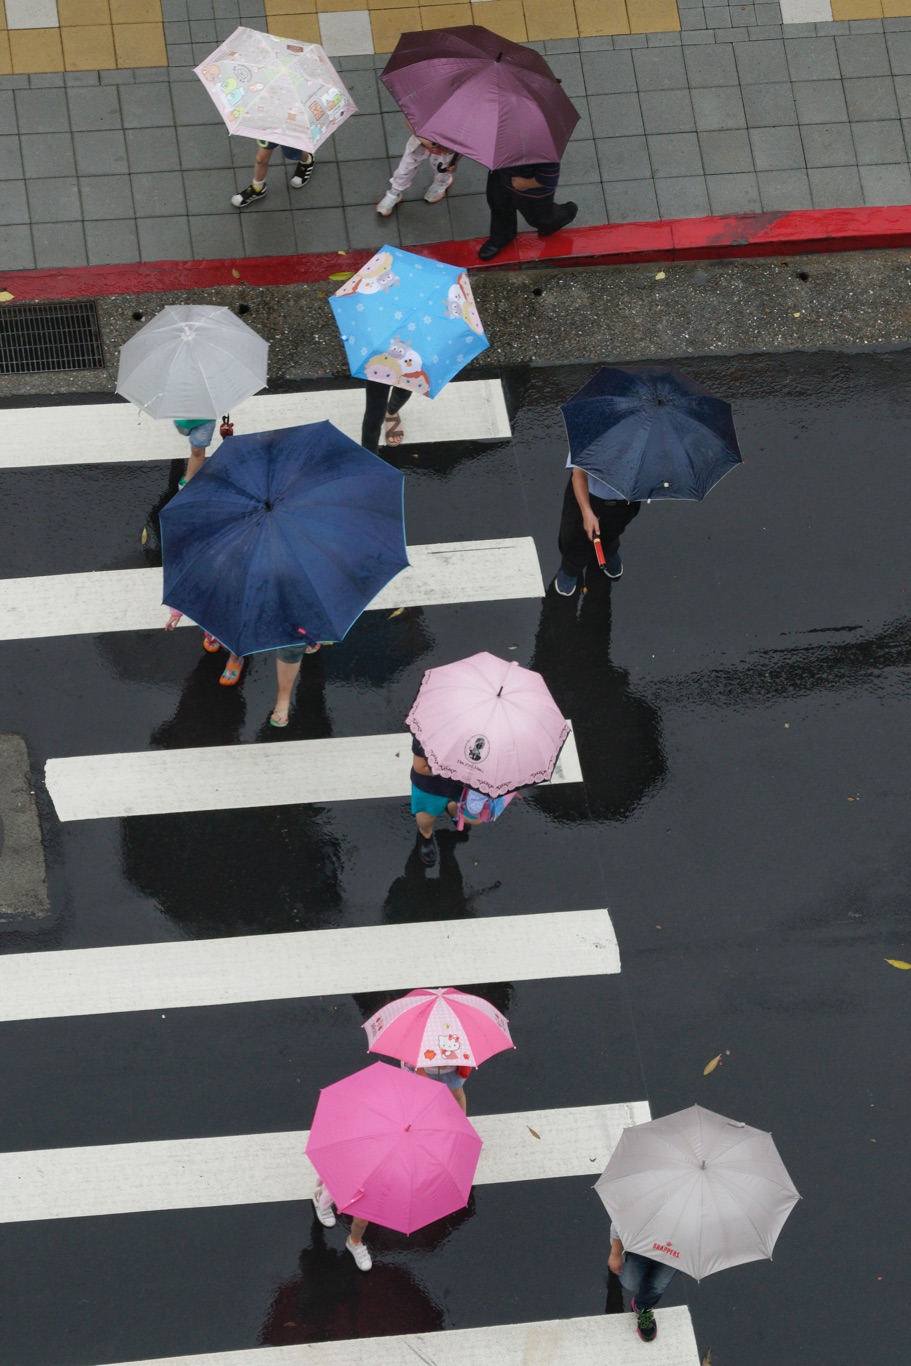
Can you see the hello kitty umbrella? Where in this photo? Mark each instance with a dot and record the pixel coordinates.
(438, 1027)
(408, 321)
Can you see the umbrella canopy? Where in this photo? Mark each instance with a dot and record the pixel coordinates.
(408, 321)
(276, 88)
(439, 1027)
(393, 1147)
(192, 360)
(650, 433)
(697, 1191)
(283, 538)
(488, 723)
(478, 93)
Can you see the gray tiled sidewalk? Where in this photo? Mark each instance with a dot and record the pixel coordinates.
(746, 115)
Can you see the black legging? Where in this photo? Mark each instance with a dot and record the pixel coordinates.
(576, 549)
(381, 399)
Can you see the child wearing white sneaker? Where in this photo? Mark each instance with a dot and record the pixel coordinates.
(322, 1206)
(442, 159)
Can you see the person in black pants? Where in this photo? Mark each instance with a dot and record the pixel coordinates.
(383, 402)
(528, 190)
(586, 514)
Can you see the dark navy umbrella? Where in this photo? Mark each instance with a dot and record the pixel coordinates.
(283, 538)
(650, 433)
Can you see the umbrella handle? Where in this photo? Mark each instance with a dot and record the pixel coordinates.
(227, 426)
(599, 553)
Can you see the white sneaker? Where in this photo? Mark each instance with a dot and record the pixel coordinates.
(434, 192)
(360, 1254)
(325, 1216)
(388, 202)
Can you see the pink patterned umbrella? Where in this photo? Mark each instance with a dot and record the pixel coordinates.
(439, 1027)
(392, 1148)
(488, 723)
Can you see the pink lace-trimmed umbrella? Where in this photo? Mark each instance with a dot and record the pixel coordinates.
(487, 723)
(392, 1148)
(439, 1027)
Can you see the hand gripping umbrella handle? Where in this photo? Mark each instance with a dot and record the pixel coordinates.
(599, 553)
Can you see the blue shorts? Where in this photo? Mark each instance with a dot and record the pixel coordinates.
(293, 654)
(428, 803)
(450, 1079)
(200, 436)
(291, 153)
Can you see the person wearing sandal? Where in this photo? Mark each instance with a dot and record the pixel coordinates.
(383, 404)
(232, 670)
(287, 667)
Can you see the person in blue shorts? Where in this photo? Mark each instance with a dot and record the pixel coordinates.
(430, 797)
(199, 432)
(256, 190)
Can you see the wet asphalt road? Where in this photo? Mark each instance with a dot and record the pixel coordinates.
(741, 709)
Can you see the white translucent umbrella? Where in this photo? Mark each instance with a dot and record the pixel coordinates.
(280, 89)
(697, 1191)
(192, 360)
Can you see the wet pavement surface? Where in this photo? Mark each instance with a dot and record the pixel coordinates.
(740, 702)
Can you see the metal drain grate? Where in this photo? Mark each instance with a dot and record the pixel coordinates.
(40, 338)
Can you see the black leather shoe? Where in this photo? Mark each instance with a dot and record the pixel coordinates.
(490, 250)
(569, 212)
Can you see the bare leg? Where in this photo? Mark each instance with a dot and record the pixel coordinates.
(287, 676)
(196, 461)
(261, 166)
(459, 1097)
(358, 1228)
(425, 824)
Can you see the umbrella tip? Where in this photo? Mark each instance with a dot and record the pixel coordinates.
(500, 690)
(499, 56)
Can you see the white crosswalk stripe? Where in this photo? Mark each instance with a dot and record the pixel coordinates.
(228, 777)
(106, 433)
(130, 599)
(274, 967)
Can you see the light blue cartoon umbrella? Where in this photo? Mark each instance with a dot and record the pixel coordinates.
(408, 321)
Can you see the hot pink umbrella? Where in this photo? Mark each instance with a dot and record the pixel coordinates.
(439, 1027)
(392, 1148)
(488, 723)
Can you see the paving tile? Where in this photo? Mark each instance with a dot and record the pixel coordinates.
(579, 165)
(717, 16)
(94, 108)
(111, 242)
(16, 250)
(210, 192)
(193, 105)
(770, 106)
(675, 154)
(827, 144)
(174, 9)
(899, 45)
(160, 196)
(589, 199)
(42, 80)
(42, 111)
(362, 86)
(121, 76)
(697, 36)
(561, 45)
(204, 31)
(631, 201)
(863, 55)
(48, 154)
(360, 139)
(623, 158)
(777, 149)
(567, 67)
(420, 222)
(59, 244)
(215, 236)
(54, 200)
(879, 142)
(722, 108)
(871, 98)
(693, 20)
(903, 95)
(364, 227)
(666, 111)
(812, 59)
(201, 147)
(835, 187)
(726, 151)
(152, 149)
(733, 193)
(268, 234)
(608, 73)
(615, 115)
(683, 197)
(14, 204)
(8, 120)
(322, 191)
(181, 55)
(147, 106)
(709, 67)
(165, 239)
(86, 77)
(471, 178)
(470, 217)
(820, 102)
(364, 182)
(106, 196)
(886, 184)
(177, 31)
(659, 68)
(321, 230)
(10, 158)
(784, 190)
(761, 63)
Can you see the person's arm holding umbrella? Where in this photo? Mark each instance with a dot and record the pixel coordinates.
(580, 490)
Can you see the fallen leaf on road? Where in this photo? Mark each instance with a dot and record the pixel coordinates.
(899, 963)
(707, 1359)
(342, 275)
(513, 647)
(710, 1066)
(532, 1132)
(145, 535)
(5, 296)
(236, 274)
(661, 275)
(397, 613)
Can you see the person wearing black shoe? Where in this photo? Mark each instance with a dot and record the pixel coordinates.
(256, 190)
(644, 1278)
(528, 190)
(430, 796)
(591, 510)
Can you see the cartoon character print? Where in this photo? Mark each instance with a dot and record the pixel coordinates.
(376, 275)
(383, 368)
(450, 1046)
(460, 304)
(406, 356)
(418, 383)
(210, 73)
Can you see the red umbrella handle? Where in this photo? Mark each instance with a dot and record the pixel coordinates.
(227, 426)
(598, 551)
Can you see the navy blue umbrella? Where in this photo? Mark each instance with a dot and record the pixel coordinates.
(283, 538)
(650, 433)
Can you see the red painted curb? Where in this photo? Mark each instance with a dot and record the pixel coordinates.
(677, 239)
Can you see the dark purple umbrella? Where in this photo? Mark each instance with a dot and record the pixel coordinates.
(478, 93)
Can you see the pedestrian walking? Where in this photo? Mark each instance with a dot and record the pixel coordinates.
(232, 670)
(287, 667)
(199, 431)
(529, 190)
(645, 1279)
(451, 1076)
(322, 1206)
(593, 520)
(256, 190)
(430, 798)
(443, 160)
(384, 401)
